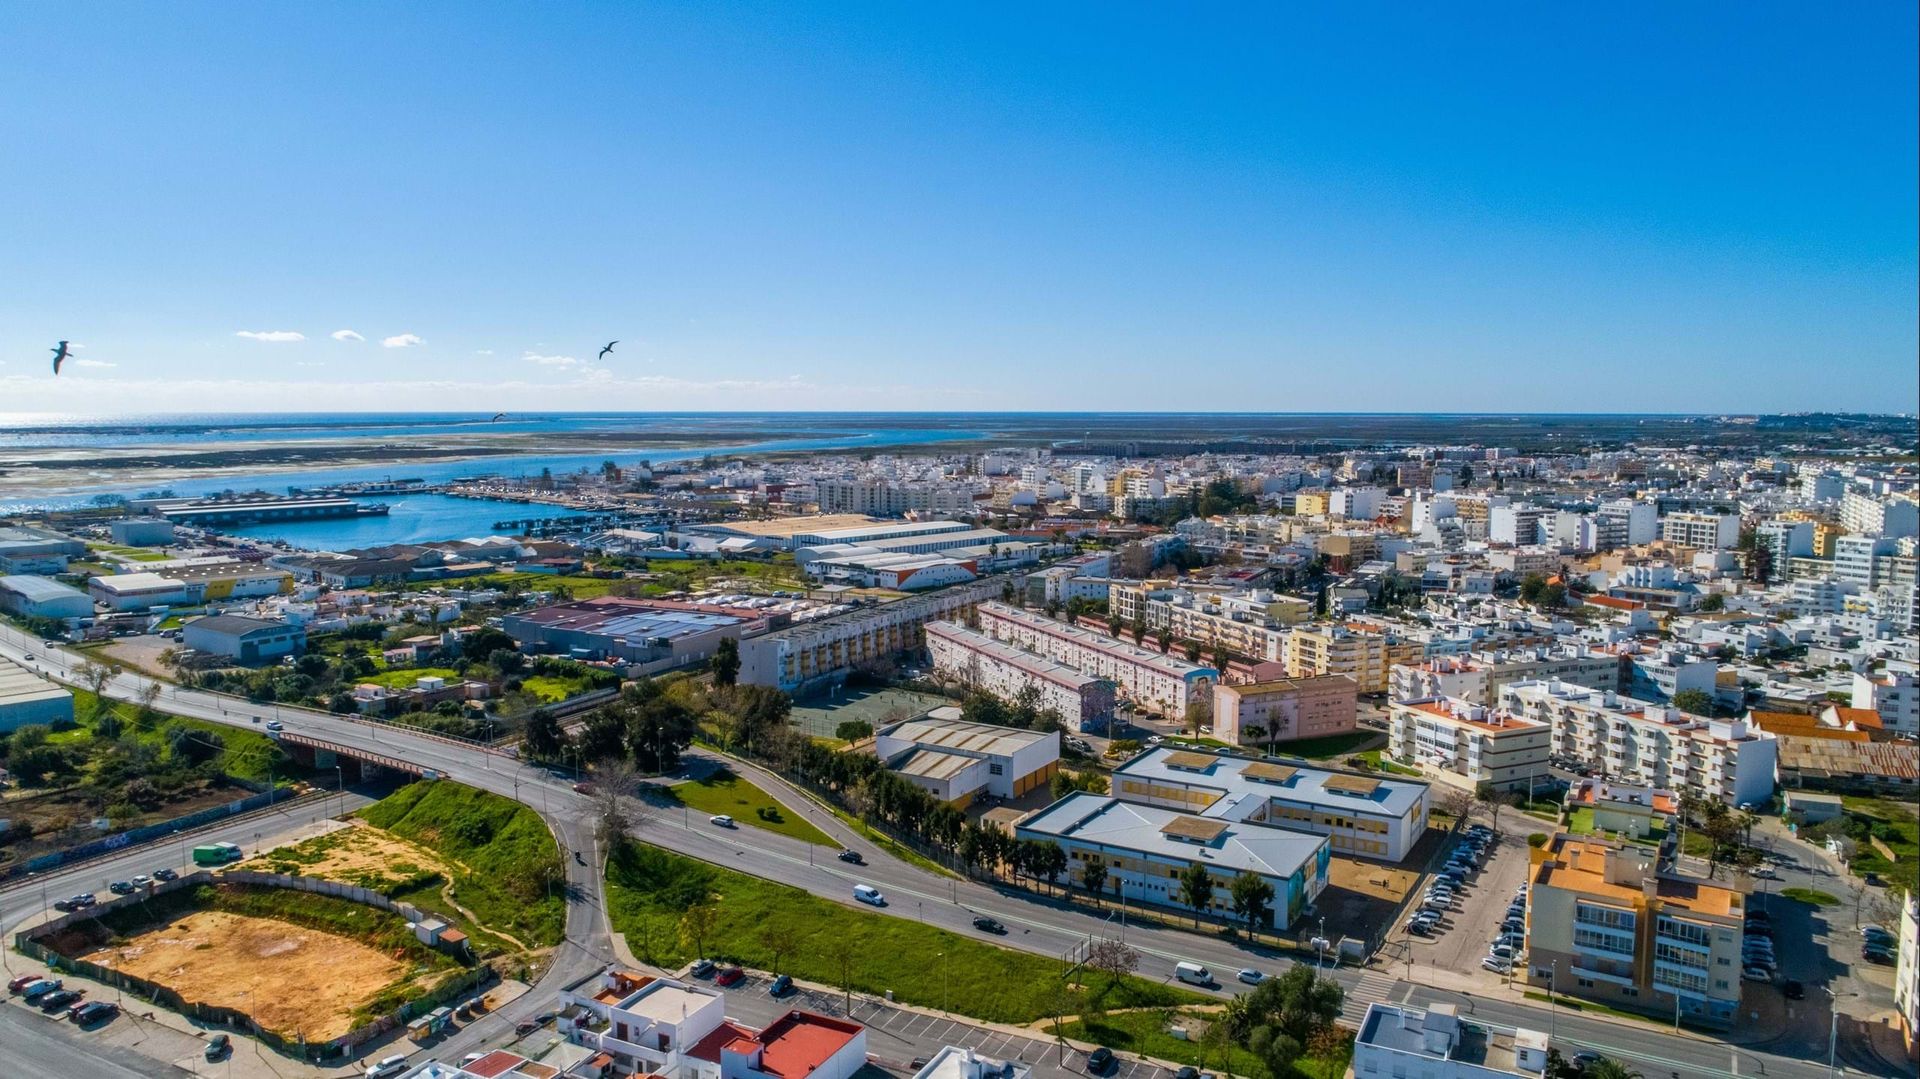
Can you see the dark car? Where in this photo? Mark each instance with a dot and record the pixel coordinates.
(1099, 1060)
(219, 1046)
(94, 1011)
(1583, 1059)
(121, 887)
(1876, 955)
(782, 985)
(84, 900)
(729, 976)
(1793, 990)
(1187, 1072)
(988, 925)
(58, 999)
(165, 874)
(1420, 929)
(852, 856)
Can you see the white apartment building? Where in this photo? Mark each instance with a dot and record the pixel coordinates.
(1730, 761)
(824, 650)
(1626, 523)
(1894, 693)
(1398, 1041)
(1858, 559)
(1871, 515)
(1519, 563)
(1517, 524)
(1084, 702)
(1706, 531)
(1906, 972)
(1478, 676)
(1159, 683)
(888, 498)
(1355, 503)
(1465, 744)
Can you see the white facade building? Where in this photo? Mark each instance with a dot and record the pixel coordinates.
(1708, 531)
(1399, 1041)
(1153, 681)
(1465, 744)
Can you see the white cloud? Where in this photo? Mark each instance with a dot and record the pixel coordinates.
(402, 340)
(550, 361)
(272, 336)
(483, 352)
(345, 335)
(94, 363)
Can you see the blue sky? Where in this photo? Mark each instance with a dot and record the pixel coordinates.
(1395, 207)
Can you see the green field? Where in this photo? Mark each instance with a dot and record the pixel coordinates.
(509, 857)
(648, 889)
(1335, 745)
(552, 689)
(1146, 1032)
(724, 792)
(133, 554)
(406, 678)
(1896, 825)
(247, 754)
(1809, 895)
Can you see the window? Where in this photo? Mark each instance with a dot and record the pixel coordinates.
(996, 769)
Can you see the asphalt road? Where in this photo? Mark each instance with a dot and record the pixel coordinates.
(1035, 923)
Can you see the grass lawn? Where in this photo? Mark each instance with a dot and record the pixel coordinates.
(1895, 824)
(1593, 1008)
(649, 889)
(246, 754)
(1147, 1032)
(1810, 895)
(1580, 822)
(132, 554)
(1336, 745)
(724, 792)
(554, 689)
(504, 850)
(407, 677)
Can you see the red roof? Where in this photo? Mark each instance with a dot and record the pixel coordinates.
(497, 1062)
(708, 1048)
(798, 1042)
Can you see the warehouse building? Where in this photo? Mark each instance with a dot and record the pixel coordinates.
(27, 698)
(36, 550)
(1359, 814)
(1085, 703)
(245, 640)
(140, 591)
(142, 531)
(1144, 848)
(38, 597)
(955, 760)
(655, 635)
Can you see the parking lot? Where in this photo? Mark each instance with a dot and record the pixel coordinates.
(896, 1036)
(1460, 941)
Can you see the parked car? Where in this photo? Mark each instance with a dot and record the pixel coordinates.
(701, 968)
(721, 819)
(1420, 928)
(1584, 1059)
(94, 1011)
(165, 874)
(1793, 990)
(142, 880)
(122, 887)
(1501, 951)
(58, 1000)
(387, 1066)
(218, 1046)
(1497, 965)
(1099, 1060)
(988, 925)
(40, 988)
(1755, 974)
(1187, 1071)
(729, 976)
(1876, 955)
(22, 981)
(782, 985)
(852, 857)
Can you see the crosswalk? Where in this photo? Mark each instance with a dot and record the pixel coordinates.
(1374, 986)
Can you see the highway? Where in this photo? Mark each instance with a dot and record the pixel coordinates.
(1035, 923)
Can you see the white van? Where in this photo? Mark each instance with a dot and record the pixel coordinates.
(1192, 973)
(867, 893)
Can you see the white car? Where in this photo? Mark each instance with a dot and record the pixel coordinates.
(388, 1066)
(1498, 966)
(721, 820)
(1251, 976)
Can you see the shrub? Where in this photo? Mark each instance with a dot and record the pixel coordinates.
(1537, 839)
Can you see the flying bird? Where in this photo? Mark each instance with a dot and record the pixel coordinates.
(60, 356)
(609, 348)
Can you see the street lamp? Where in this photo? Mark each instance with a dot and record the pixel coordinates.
(1833, 1029)
(1553, 970)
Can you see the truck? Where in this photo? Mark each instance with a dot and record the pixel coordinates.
(216, 854)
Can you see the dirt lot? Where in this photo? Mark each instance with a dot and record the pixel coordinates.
(357, 854)
(1362, 895)
(251, 963)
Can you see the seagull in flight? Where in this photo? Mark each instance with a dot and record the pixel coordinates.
(60, 356)
(609, 348)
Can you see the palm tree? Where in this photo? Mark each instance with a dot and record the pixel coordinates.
(1609, 1068)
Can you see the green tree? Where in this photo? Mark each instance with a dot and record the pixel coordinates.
(697, 924)
(544, 740)
(1609, 1068)
(853, 730)
(1714, 603)
(483, 642)
(1196, 889)
(726, 662)
(1093, 877)
(1284, 1015)
(1694, 702)
(1252, 897)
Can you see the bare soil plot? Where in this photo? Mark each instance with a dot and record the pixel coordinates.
(292, 980)
(358, 854)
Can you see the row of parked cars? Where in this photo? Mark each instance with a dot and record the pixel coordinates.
(1465, 859)
(118, 887)
(1511, 938)
(52, 996)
